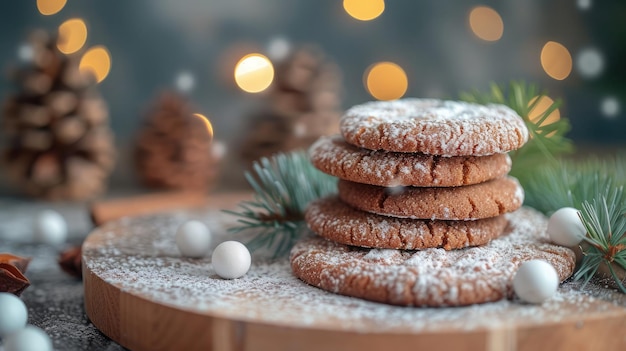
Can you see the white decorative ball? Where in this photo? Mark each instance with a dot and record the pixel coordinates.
(50, 228)
(535, 281)
(14, 314)
(231, 260)
(565, 227)
(193, 239)
(30, 338)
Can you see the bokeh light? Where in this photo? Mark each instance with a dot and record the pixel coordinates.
(589, 63)
(364, 10)
(386, 81)
(583, 4)
(540, 108)
(25, 52)
(610, 106)
(254, 73)
(184, 82)
(72, 35)
(486, 23)
(50, 7)
(97, 62)
(556, 60)
(278, 48)
(206, 122)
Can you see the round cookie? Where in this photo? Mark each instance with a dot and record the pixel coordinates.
(434, 127)
(483, 200)
(432, 277)
(334, 220)
(334, 156)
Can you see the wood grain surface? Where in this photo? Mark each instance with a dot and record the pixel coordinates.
(137, 318)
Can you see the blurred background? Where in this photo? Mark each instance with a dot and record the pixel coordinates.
(186, 93)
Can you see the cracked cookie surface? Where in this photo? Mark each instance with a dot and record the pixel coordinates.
(488, 199)
(334, 220)
(431, 277)
(434, 127)
(334, 156)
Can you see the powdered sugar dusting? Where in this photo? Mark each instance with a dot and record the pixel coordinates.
(334, 156)
(449, 128)
(135, 256)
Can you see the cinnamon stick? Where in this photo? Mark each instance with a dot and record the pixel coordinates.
(107, 210)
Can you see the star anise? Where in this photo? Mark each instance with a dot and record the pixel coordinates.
(12, 269)
(71, 262)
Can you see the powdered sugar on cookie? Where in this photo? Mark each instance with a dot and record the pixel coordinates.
(431, 277)
(435, 127)
(334, 156)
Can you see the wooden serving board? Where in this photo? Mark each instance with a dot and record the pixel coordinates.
(141, 293)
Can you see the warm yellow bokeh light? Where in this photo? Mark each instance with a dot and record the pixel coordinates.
(207, 123)
(486, 23)
(386, 81)
(97, 62)
(556, 60)
(254, 73)
(541, 107)
(364, 10)
(50, 7)
(72, 35)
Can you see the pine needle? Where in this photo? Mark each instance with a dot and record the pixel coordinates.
(547, 141)
(284, 185)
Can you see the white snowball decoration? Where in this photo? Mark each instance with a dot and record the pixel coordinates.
(13, 314)
(231, 260)
(565, 227)
(30, 338)
(193, 239)
(535, 281)
(50, 228)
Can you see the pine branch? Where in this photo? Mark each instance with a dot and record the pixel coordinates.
(569, 183)
(605, 222)
(284, 185)
(547, 140)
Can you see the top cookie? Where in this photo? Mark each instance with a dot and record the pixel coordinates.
(434, 127)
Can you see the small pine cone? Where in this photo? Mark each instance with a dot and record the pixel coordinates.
(174, 148)
(51, 125)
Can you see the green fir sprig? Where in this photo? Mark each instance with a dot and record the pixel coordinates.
(595, 187)
(284, 185)
(605, 222)
(570, 183)
(547, 140)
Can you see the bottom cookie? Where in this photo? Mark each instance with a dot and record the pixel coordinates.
(431, 277)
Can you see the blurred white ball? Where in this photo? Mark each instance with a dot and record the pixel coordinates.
(610, 106)
(30, 338)
(193, 239)
(50, 228)
(565, 227)
(231, 260)
(590, 63)
(535, 281)
(13, 315)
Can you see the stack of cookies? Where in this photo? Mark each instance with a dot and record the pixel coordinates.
(415, 174)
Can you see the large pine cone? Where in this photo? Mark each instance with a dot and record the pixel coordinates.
(174, 148)
(302, 105)
(59, 146)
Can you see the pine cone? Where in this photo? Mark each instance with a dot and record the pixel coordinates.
(303, 104)
(59, 145)
(174, 149)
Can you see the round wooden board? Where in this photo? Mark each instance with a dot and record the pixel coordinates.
(142, 294)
